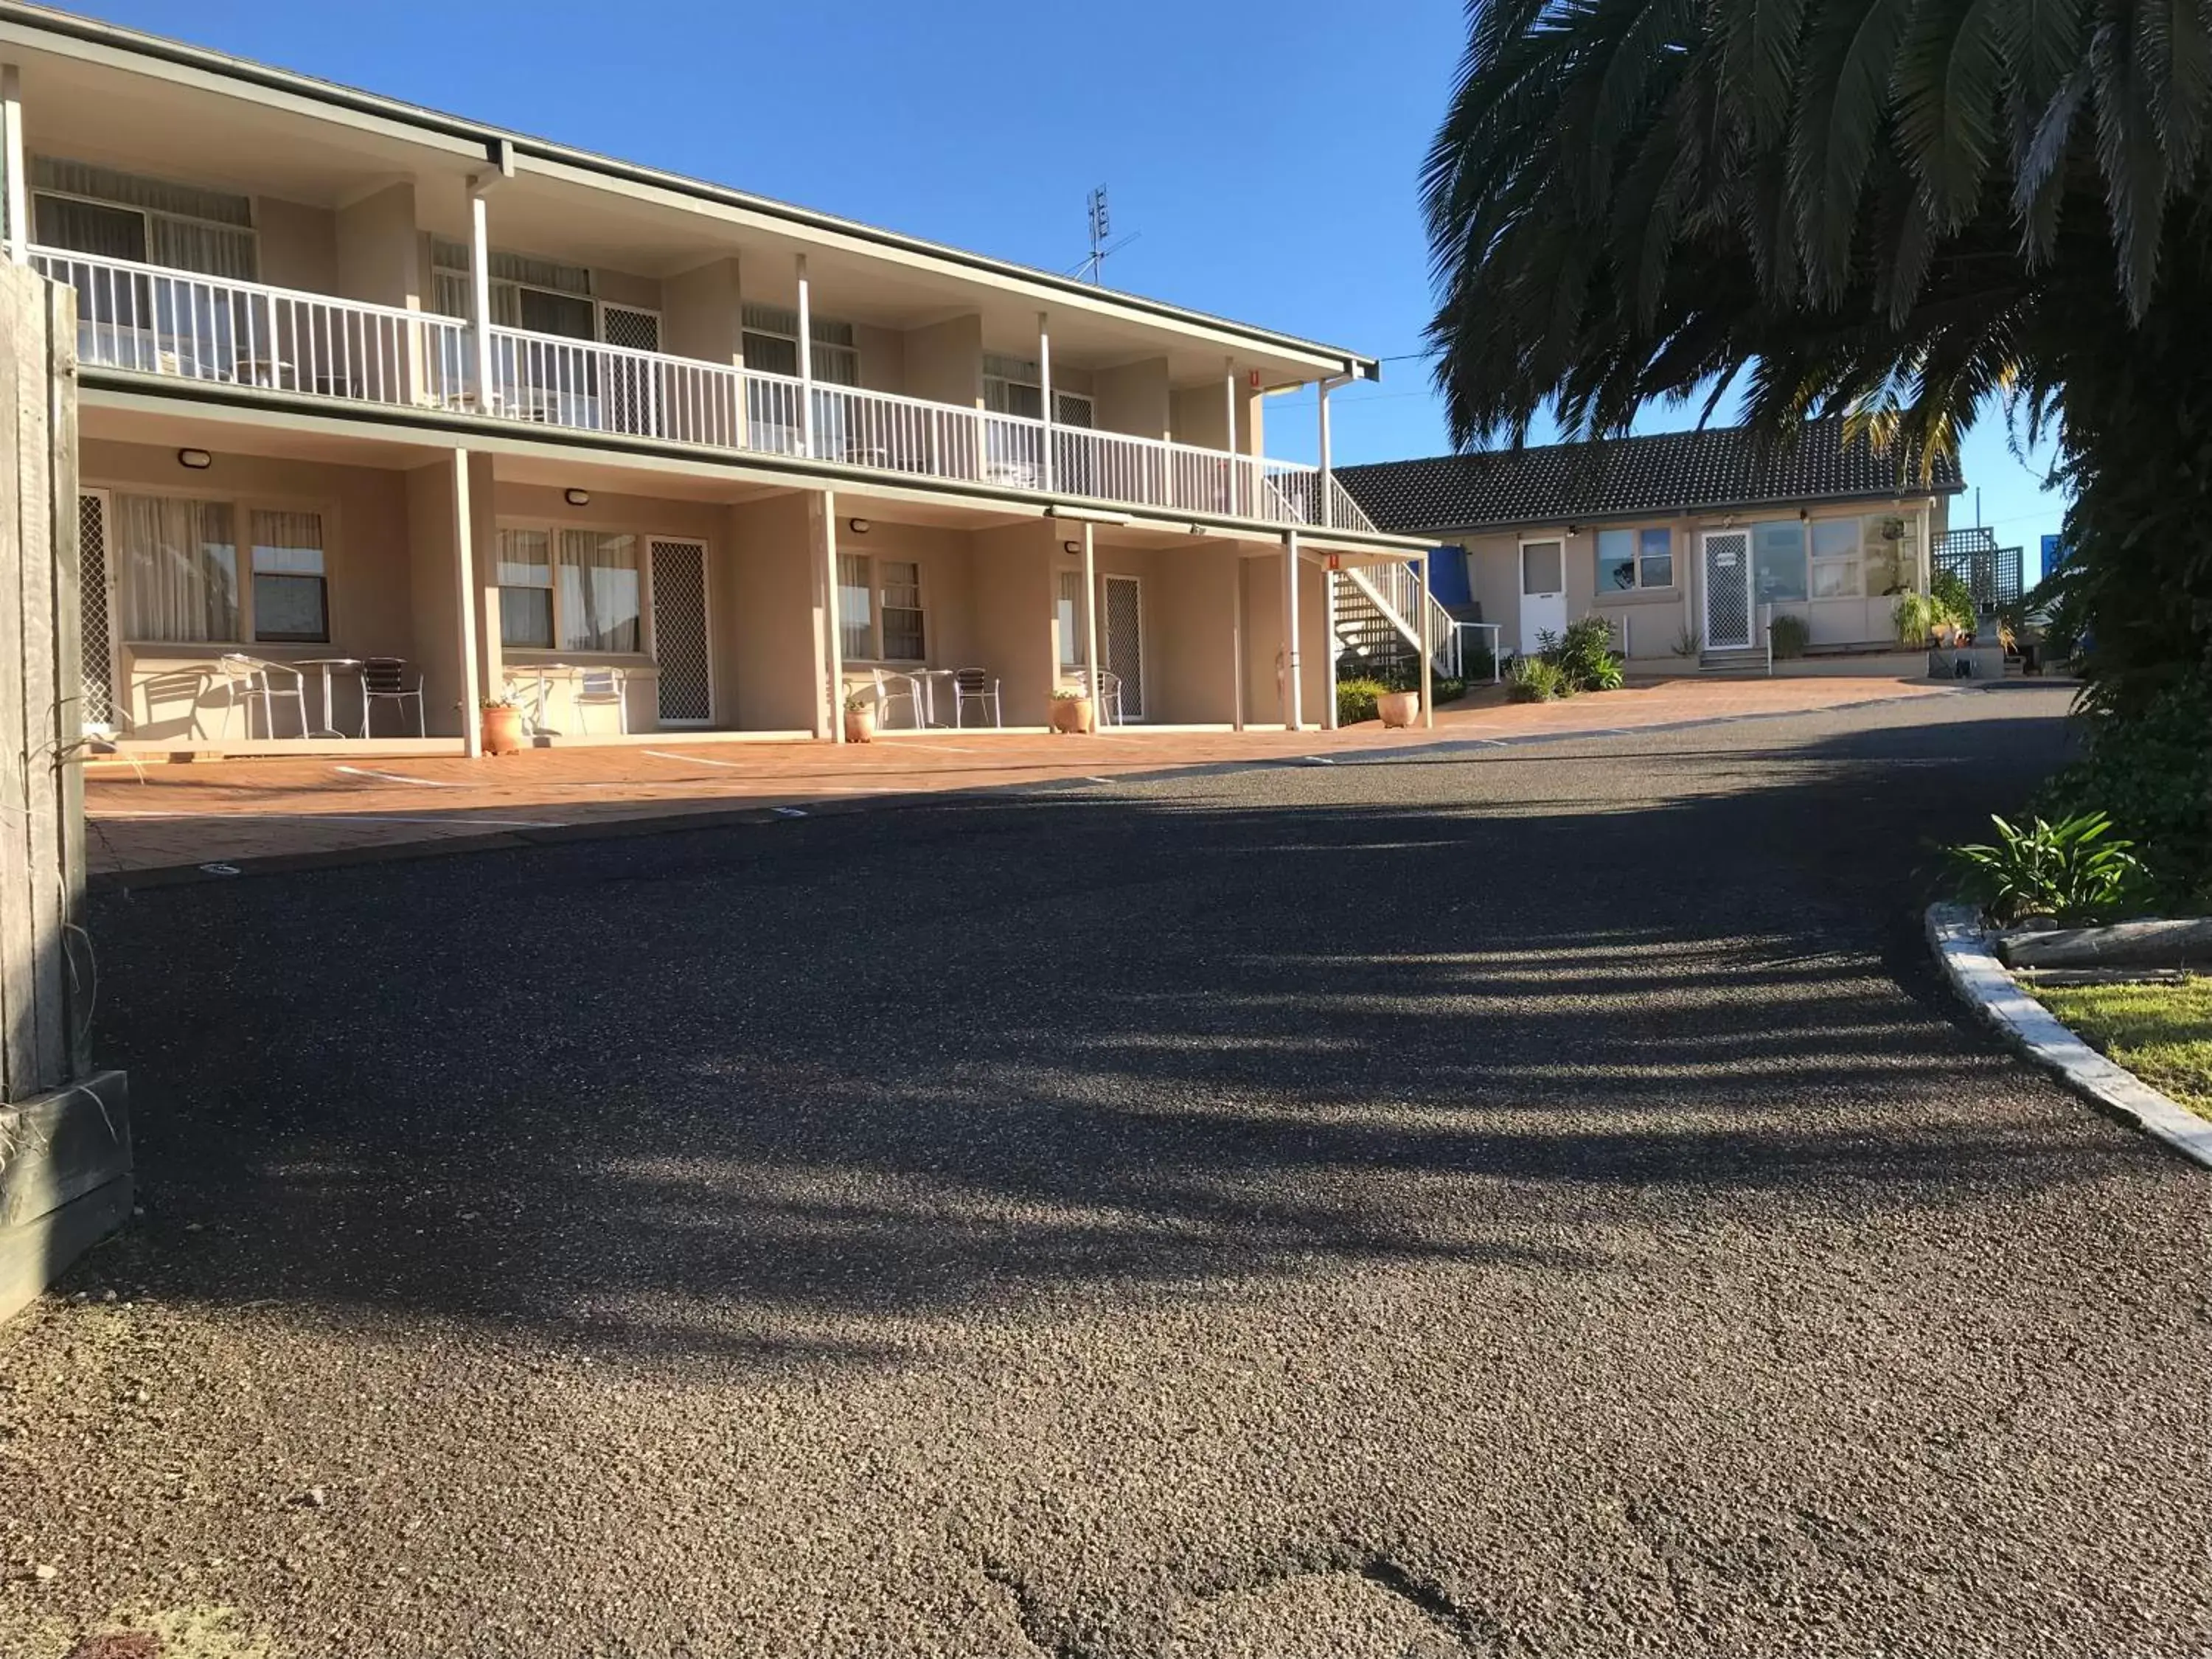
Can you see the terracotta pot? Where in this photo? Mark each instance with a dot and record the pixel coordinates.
(1071, 714)
(1398, 707)
(503, 730)
(860, 723)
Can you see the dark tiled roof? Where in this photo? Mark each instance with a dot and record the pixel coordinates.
(1669, 471)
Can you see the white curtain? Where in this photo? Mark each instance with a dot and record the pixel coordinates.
(207, 250)
(525, 588)
(179, 569)
(856, 623)
(600, 592)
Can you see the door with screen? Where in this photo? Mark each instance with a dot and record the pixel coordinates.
(680, 645)
(1123, 642)
(1727, 575)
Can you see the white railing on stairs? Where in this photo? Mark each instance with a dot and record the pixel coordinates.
(1394, 590)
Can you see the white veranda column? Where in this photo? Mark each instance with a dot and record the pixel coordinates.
(806, 388)
(833, 621)
(1229, 431)
(1421, 610)
(480, 286)
(1091, 664)
(1293, 709)
(1044, 392)
(1324, 508)
(14, 169)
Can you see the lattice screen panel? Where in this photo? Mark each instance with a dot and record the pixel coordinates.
(99, 645)
(679, 632)
(1124, 647)
(1728, 589)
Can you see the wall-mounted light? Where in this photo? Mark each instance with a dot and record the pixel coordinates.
(1071, 547)
(199, 460)
(577, 497)
(858, 526)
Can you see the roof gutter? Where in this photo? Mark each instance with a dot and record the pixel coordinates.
(492, 139)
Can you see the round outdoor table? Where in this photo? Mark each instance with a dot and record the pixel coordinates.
(927, 679)
(329, 727)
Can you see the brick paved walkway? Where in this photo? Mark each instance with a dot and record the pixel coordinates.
(167, 814)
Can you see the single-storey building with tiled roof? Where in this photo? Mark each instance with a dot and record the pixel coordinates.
(1686, 541)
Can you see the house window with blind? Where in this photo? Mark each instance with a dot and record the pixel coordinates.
(1015, 386)
(98, 212)
(880, 616)
(291, 593)
(541, 295)
(570, 590)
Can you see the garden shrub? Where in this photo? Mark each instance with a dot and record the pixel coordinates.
(1534, 679)
(1355, 699)
(2074, 871)
(1790, 635)
(2152, 772)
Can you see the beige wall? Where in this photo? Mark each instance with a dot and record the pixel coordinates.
(944, 362)
(1011, 632)
(364, 513)
(378, 252)
(882, 358)
(1263, 619)
(1201, 416)
(702, 313)
(434, 612)
(766, 612)
(299, 245)
(1133, 399)
(1189, 618)
(626, 289)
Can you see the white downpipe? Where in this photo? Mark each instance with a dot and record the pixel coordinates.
(1766, 616)
(1428, 687)
(1328, 634)
(833, 641)
(18, 227)
(1044, 378)
(1228, 430)
(464, 564)
(1091, 615)
(1293, 711)
(480, 287)
(1236, 647)
(807, 411)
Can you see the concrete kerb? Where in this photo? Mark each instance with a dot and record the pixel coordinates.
(1955, 932)
(775, 811)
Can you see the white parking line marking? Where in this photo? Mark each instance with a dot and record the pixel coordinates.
(700, 760)
(395, 777)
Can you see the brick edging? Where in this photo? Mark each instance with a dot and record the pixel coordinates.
(1955, 933)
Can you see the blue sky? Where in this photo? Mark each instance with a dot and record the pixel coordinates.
(1266, 151)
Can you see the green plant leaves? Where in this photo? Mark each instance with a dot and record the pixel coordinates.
(2076, 871)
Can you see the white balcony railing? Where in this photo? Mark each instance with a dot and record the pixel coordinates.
(158, 321)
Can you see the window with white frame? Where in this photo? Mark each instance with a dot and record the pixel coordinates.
(1074, 649)
(1889, 545)
(96, 210)
(1629, 560)
(1835, 558)
(291, 591)
(880, 615)
(541, 295)
(771, 345)
(1015, 386)
(570, 590)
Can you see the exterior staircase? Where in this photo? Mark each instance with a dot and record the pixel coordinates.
(1375, 613)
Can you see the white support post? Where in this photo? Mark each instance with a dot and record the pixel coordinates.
(806, 398)
(1228, 440)
(833, 629)
(1428, 678)
(1091, 662)
(1329, 618)
(480, 286)
(1325, 509)
(465, 565)
(1044, 378)
(1293, 702)
(18, 227)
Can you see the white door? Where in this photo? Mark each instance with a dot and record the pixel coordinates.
(1122, 641)
(1543, 593)
(1728, 590)
(679, 633)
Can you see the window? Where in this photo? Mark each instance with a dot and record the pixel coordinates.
(600, 595)
(525, 588)
(541, 295)
(1072, 645)
(1777, 556)
(291, 597)
(179, 567)
(120, 216)
(1630, 559)
(1835, 558)
(901, 595)
(856, 606)
(771, 344)
(1890, 547)
(879, 610)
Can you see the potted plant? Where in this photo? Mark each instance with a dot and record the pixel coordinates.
(859, 718)
(501, 724)
(1071, 710)
(1398, 707)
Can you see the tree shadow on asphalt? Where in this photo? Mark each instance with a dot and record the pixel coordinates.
(776, 1094)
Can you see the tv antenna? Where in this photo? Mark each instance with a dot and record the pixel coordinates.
(1102, 228)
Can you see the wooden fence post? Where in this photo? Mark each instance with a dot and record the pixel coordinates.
(64, 1128)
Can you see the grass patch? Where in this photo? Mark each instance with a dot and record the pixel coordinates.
(2162, 1033)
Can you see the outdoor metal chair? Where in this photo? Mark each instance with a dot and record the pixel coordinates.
(1106, 697)
(907, 690)
(974, 685)
(601, 688)
(249, 683)
(384, 679)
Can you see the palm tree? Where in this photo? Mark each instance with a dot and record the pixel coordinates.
(1902, 210)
